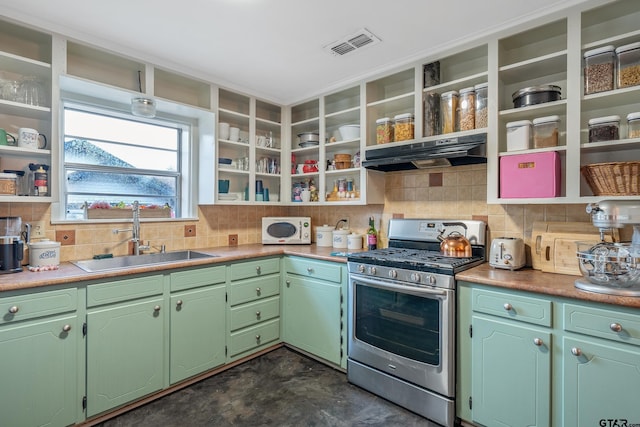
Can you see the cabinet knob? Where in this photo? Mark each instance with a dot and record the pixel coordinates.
(288, 282)
(615, 327)
(258, 291)
(178, 303)
(156, 308)
(538, 341)
(257, 338)
(309, 270)
(258, 269)
(13, 309)
(508, 306)
(258, 314)
(66, 328)
(576, 351)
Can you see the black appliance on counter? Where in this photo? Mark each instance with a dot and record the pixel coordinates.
(11, 244)
(402, 315)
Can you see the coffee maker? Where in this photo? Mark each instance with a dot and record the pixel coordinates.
(11, 245)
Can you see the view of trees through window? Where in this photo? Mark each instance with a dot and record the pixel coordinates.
(111, 160)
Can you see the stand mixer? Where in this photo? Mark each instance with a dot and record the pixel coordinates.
(620, 262)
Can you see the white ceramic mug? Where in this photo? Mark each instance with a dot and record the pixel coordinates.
(261, 141)
(223, 130)
(234, 134)
(30, 138)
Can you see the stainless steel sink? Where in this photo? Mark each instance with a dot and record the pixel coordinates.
(128, 261)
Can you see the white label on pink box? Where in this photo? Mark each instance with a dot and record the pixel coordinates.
(530, 175)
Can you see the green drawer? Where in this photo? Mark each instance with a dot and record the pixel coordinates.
(123, 290)
(38, 304)
(610, 324)
(253, 289)
(251, 313)
(197, 277)
(317, 269)
(512, 306)
(256, 268)
(253, 337)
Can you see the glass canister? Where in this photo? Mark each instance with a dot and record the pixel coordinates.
(21, 182)
(545, 131)
(466, 114)
(604, 128)
(482, 111)
(431, 114)
(448, 107)
(404, 126)
(599, 65)
(518, 135)
(633, 125)
(384, 130)
(628, 65)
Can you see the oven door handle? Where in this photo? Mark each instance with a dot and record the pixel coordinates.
(389, 285)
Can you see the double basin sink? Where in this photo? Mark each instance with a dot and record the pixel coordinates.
(128, 261)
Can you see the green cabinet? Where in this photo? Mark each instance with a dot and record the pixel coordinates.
(253, 311)
(125, 341)
(39, 369)
(197, 327)
(313, 295)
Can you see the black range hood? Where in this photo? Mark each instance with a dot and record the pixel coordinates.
(460, 150)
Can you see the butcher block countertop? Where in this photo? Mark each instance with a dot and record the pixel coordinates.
(68, 273)
(561, 285)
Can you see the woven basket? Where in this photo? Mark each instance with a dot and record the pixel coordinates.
(613, 179)
(343, 161)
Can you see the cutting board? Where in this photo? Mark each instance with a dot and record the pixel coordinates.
(558, 251)
(540, 227)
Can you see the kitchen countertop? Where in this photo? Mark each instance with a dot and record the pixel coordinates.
(68, 273)
(530, 280)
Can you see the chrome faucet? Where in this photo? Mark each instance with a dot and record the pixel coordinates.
(135, 231)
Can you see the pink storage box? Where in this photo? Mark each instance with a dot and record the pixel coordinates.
(530, 175)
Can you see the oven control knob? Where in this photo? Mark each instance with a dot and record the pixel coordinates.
(361, 268)
(393, 274)
(415, 277)
(372, 271)
(431, 279)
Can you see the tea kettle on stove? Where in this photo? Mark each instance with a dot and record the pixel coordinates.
(11, 244)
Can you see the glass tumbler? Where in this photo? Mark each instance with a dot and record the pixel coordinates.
(31, 92)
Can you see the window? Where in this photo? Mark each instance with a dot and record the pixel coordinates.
(112, 158)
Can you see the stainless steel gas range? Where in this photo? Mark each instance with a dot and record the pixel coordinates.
(402, 315)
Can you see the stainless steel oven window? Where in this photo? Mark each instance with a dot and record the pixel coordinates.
(401, 323)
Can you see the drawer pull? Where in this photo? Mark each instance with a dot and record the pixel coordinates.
(538, 341)
(615, 327)
(508, 306)
(258, 269)
(576, 351)
(13, 309)
(156, 308)
(258, 314)
(309, 269)
(178, 303)
(257, 338)
(66, 328)
(258, 291)
(288, 282)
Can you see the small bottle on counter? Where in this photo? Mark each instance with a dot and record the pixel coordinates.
(372, 235)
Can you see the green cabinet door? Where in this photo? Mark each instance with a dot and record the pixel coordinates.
(311, 316)
(601, 382)
(125, 353)
(197, 331)
(38, 373)
(511, 373)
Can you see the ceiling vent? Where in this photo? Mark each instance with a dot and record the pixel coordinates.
(353, 42)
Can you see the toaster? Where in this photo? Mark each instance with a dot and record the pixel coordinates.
(507, 253)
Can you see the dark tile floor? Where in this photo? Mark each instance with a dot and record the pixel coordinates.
(280, 388)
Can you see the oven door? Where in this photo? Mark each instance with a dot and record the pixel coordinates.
(405, 331)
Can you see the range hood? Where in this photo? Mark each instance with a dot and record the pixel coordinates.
(460, 150)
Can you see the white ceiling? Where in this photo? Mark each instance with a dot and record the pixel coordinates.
(273, 49)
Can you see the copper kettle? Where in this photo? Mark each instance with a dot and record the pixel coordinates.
(455, 245)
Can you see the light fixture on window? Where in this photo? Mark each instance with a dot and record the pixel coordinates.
(143, 107)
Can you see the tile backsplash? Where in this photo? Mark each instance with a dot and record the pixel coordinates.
(456, 192)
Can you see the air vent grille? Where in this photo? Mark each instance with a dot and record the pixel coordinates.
(353, 42)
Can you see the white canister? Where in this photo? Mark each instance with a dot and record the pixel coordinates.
(44, 253)
(340, 239)
(324, 236)
(354, 241)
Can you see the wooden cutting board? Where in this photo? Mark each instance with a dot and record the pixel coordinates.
(558, 251)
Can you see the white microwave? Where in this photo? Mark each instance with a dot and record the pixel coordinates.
(292, 230)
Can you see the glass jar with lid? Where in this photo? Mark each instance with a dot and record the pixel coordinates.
(599, 65)
(628, 65)
(519, 135)
(545, 131)
(384, 130)
(633, 125)
(604, 128)
(431, 114)
(466, 114)
(482, 112)
(404, 127)
(448, 107)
